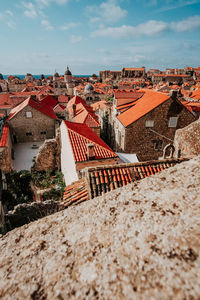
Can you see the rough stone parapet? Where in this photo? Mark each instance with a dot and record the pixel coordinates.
(137, 242)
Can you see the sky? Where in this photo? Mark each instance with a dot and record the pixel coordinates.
(41, 36)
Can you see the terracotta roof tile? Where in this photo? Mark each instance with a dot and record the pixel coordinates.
(99, 180)
(80, 135)
(63, 99)
(43, 108)
(5, 100)
(75, 193)
(84, 114)
(4, 136)
(149, 101)
(99, 105)
(49, 100)
(112, 177)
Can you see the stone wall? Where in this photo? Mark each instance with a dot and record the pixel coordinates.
(137, 242)
(49, 155)
(12, 87)
(187, 140)
(142, 140)
(39, 122)
(26, 213)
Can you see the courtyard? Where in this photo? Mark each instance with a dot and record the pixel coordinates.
(24, 154)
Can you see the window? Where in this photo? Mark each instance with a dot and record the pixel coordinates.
(149, 123)
(158, 144)
(173, 122)
(28, 133)
(29, 114)
(43, 132)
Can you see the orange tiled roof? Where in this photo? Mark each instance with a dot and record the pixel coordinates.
(5, 99)
(192, 106)
(99, 180)
(196, 94)
(63, 99)
(85, 115)
(127, 94)
(75, 193)
(124, 101)
(59, 108)
(80, 135)
(43, 108)
(75, 100)
(99, 105)
(4, 136)
(107, 178)
(150, 100)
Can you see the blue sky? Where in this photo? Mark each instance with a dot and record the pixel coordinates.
(41, 36)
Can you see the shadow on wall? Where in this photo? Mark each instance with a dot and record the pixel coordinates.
(26, 213)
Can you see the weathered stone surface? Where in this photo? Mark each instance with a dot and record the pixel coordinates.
(28, 212)
(188, 140)
(49, 154)
(5, 160)
(138, 242)
(46, 158)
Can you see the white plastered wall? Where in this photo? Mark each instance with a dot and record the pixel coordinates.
(68, 166)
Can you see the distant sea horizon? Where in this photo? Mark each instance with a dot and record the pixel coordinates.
(22, 76)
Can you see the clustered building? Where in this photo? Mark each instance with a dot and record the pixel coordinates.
(105, 130)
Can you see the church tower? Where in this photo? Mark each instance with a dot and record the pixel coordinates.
(69, 82)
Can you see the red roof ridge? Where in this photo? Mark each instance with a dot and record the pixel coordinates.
(4, 136)
(43, 108)
(87, 134)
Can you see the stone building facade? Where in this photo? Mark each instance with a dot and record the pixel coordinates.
(187, 140)
(124, 73)
(157, 78)
(133, 72)
(109, 75)
(148, 136)
(30, 125)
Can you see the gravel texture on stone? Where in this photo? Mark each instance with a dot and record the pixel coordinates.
(138, 242)
(187, 140)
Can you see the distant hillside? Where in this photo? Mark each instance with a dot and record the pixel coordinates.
(138, 242)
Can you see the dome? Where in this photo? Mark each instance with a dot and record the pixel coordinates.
(88, 88)
(56, 74)
(67, 72)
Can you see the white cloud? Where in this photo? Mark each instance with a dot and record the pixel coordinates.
(171, 5)
(11, 24)
(9, 13)
(30, 10)
(149, 28)
(42, 3)
(75, 39)
(186, 25)
(47, 25)
(68, 26)
(8, 19)
(108, 11)
(61, 1)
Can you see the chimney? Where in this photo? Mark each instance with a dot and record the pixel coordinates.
(173, 94)
(74, 110)
(90, 151)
